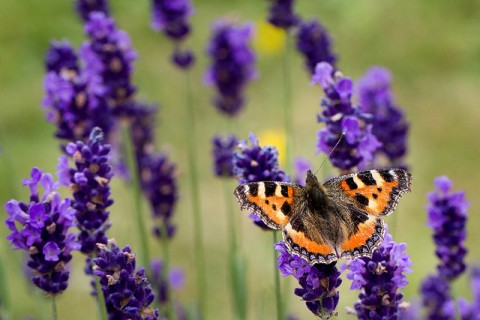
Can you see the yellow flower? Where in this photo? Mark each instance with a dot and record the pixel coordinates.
(268, 38)
(276, 138)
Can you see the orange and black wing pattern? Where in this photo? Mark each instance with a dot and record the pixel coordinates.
(375, 192)
(273, 202)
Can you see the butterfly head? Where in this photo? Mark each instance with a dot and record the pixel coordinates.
(311, 179)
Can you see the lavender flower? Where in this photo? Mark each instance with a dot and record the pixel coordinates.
(85, 7)
(389, 124)
(232, 66)
(314, 43)
(359, 144)
(301, 167)
(73, 100)
(281, 14)
(109, 56)
(44, 233)
(222, 152)
(127, 293)
(255, 163)
(171, 17)
(61, 57)
(380, 278)
(436, 298)
(447, 216)
(318, 283)
(89, 182)
(163, 281)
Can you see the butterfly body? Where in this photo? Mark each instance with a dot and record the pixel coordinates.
(321, 223)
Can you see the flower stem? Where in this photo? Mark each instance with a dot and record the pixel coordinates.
(137, 197)
(276, 273)
(102, 308)
(287, 104)
(54, 307)
(197, 221)
(168, 308)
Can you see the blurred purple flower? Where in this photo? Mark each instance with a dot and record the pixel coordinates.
(380, 278)
(44, 232)
(109, 56)
(471, 310)
(436, 298)
(281, 14)
(85, 7)
(223, 149)
(318, 283)
(128, 294)
(61, 57)
(314, 43)
(301, 166)
(166, 281)
(254, 163)
(389, 124)
(232, 65)
(359, 144)
(447, 216)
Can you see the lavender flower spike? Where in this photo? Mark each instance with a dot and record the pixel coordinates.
(85, 7)
(447, 216)
(436, 298)
(389, 124)
(44, 233)
(89, 182)
(232, 65)
(127, 293)
(314, 43)
(359, 144)
(380, 278)
(223, 150)
(281, 14)
(318, 283)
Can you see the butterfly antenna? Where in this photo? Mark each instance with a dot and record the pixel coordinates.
(331, 151)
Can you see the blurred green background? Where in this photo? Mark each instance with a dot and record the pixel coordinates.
(431, 47)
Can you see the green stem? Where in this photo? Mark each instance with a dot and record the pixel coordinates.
(276, 274)
(54, 307)
(287, 104)
(144, 251)
(102, 308)
(197, 221)
(169, 310)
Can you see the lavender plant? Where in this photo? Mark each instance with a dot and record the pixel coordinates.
(281, 14)
(41, 227)
(85, 7)
(358, 146)
(223, 150)
(232, 65)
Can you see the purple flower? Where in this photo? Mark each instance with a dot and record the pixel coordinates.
(380, 278)
(281, 14)
(389, 124)
(156, 171)
(301, 166)
(171, 17)
(318, 283)
(436, 298)
(255, 163)
(61, 57)
(314, 43)
(232, 65)
(183, 58)
(127, 293)
(164, 281)
(109, 56)
(447, 216)
(89, 182)
(41, 228)
(73, 100)
(223, 149)
(85, 7)
(359, 144)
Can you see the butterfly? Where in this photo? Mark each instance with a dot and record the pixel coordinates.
(322, 223)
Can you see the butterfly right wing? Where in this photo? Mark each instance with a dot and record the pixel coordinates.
(273, 202)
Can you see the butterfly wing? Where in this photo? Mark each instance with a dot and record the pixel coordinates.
(364, 197)
(271, 201)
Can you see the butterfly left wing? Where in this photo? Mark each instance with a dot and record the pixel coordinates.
(271, 201)
(366, 197)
